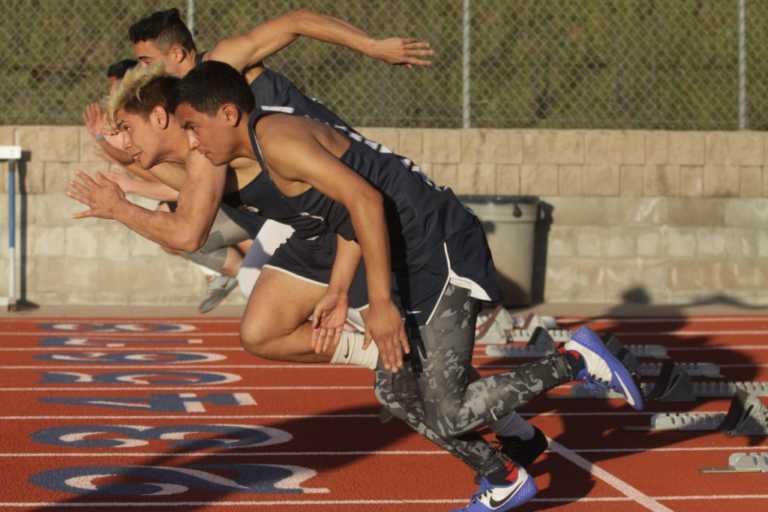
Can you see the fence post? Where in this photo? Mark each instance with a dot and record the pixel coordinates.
(465, 70)
(191, 16)
(743, 114)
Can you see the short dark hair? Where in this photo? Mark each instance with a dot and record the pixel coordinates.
(118, 69)
(212, 84)
(164, 27)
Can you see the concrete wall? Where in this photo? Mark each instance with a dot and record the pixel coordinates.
(681, 215)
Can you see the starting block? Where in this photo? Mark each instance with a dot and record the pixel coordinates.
(707, 370)
(525, 331)
(542, 343)
(675, 385)
(494, 327)
(746, 416)
(498, 327)
(741, 462)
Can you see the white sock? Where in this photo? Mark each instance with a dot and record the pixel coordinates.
(513, 425)
(350, 351)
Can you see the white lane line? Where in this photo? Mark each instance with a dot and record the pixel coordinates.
(180, 366)
(612, 480)
(198, 334)
(320, 503)
(724, 348)
(111, 335)
(213, 366)
(759, 332)
(144, 348)
(193, 387)
(192, 320)
(307, 503)
(289, 416)
(663, 319)
(347, 453)
(117, 335)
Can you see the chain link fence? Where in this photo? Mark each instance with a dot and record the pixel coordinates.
(655, 64)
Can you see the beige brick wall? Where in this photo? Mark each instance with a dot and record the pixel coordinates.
(681, 215)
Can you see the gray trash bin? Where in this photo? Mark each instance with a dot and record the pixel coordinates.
(510, 226)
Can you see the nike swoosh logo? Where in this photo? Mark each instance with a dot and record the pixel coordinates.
(498, 504)
(347, 351)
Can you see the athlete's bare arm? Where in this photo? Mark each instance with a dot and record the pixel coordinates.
(248, 50)
(186, 229)
(151, 189)
(297, 151)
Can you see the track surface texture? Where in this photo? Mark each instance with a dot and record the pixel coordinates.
(171, 414)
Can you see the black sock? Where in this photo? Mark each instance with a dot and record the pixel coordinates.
(506, 475)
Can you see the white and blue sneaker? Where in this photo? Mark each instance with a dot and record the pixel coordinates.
(497, 498)
(602, 370)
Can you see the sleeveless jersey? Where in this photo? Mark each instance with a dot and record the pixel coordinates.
(424, 221)
(274, 92)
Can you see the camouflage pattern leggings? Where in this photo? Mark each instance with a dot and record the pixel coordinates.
(433, 393)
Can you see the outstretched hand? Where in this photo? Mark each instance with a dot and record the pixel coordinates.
(328, 321)
(386, 328)
(402, 51)
(98, 193)
(95, 119)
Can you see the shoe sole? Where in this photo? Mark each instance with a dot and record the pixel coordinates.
(589, 339)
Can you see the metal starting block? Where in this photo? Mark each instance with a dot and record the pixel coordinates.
(681, 390)
(542, 343)
(525, 328)
(708, 370)
(742, 462)
(494, 326)
(746, 416)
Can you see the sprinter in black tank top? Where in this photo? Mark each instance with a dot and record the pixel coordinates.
(163, 38)
(415, 233)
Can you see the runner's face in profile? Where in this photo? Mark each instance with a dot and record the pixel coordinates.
(148, 53)
(213, 136)
(139, 138)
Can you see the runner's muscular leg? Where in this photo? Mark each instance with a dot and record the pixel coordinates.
(274, 325)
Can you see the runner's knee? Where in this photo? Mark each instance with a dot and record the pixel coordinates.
(255, 336)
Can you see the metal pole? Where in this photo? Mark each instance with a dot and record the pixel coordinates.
(191, 16)
(11, 233)
(466, 108)
(743, 115)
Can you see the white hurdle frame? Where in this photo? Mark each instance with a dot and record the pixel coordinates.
(12, 154)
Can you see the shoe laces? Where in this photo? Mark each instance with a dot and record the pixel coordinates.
(596, 384)
(480, 495)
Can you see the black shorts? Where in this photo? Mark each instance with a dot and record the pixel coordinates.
(463, 260)
(312, 260)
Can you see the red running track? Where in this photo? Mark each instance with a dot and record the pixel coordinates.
(188, 421)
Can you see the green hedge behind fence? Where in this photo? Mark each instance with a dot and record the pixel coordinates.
(670, 64)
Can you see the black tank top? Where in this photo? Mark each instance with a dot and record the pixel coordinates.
(273, 92)
(420, 215)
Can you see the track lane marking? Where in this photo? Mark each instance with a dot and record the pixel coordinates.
(310, 502)
(596, 471)
(348, 453)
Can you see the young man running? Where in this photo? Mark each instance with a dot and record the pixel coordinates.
(421, 248)
(232, 233)
(162, 37)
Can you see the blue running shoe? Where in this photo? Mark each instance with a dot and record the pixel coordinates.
(602, 369)
(497, 498)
